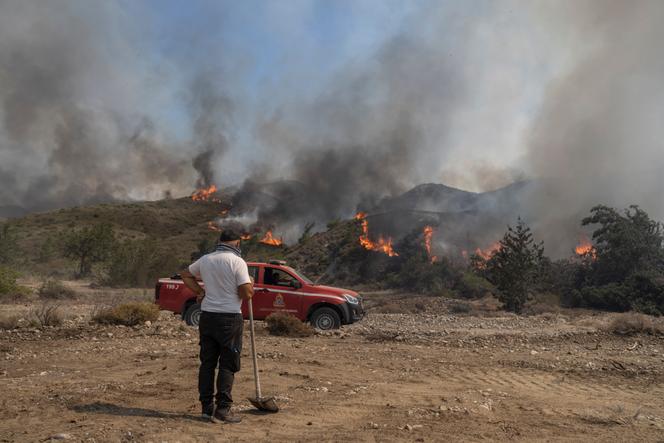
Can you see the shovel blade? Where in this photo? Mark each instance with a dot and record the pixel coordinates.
(266, 404)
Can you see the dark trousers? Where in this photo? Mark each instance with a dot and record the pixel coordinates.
(221, 343)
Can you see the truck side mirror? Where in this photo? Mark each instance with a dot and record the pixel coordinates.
(295, 284)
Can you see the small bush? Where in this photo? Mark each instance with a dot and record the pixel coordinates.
(8, 322)
(632, 323)
(47, 315)
(128, 314)
(611, 297)
(138, 263)
(543, 304)
(282, 324)
(460, 307)
(472, 286)
(8, 280)
(55, 290)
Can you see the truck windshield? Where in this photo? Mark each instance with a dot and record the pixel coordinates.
(301, 275)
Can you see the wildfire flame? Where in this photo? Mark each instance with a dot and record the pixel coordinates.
(487, 253)
(205, 194)
(213, 227)
(585, 248)
(383, 245)
(269, 239)
(245, 237)
(428, 235)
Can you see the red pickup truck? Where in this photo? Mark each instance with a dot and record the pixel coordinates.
(277, 288)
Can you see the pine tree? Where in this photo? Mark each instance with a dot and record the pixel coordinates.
(514, 267)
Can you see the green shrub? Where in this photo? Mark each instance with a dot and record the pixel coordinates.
(128, 314)
(8, 278)
(472, 286)
(282, 324)
(611, 297)
(55, 290)
(9, 249)
(89, 245)
(137, 263)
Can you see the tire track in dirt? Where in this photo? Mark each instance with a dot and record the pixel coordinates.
(538, 382)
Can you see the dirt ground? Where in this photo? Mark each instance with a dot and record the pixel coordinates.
(426, 376)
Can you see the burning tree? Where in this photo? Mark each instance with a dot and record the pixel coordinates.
(382, 244)
(513, 267)
(627, 269)
(88, 246)
(625, 243)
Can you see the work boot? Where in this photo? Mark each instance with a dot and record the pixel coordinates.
(224, 413)
(207, 411)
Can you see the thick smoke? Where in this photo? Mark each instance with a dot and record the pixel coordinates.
(378, 128)
(212, 111)
(598, 138)
(94, 107)
(76, 102)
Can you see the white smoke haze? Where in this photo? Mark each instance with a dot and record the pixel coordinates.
(475, 95)
(598, 136)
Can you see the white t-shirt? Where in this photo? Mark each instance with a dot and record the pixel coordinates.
(222, 272)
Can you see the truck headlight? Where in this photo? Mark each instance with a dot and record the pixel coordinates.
(350, 299)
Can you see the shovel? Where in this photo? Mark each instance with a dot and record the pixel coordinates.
(266, 404)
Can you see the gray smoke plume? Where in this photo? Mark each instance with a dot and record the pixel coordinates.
(377, 129)
(76, 97)
(472, 94)
(212, 112)
(598, 137)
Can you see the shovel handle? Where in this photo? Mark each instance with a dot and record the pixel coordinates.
(253, 349)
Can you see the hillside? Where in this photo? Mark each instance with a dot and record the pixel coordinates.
(181, 223)
(464, 220)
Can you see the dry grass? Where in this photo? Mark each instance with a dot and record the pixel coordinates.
(8, 322)
(47, 315)
(55, 290)
(460, 307)
(127, 314)
(631, 323)
(286, 325)
(614, 415)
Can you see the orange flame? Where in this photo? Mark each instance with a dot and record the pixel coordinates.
(428, 235)
(487, 253)
(205, 194)
(585, 248)
(213, 227)
(268, 239)
(383, 245)
(245, 237)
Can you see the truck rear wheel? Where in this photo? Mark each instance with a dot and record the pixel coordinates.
(192, 315)
(325, 319)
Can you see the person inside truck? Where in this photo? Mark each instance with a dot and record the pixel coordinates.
(277, 277)
(227, 282)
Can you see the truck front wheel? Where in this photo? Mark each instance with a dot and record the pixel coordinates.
(192, 315)
(325, 319)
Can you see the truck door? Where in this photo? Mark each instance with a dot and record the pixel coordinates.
(259, 296)
(280, 292)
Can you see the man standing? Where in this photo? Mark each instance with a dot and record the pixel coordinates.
(227, 282)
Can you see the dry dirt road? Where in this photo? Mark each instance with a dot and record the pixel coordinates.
(392, 377)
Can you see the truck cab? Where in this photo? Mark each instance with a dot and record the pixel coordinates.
(277, 288)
